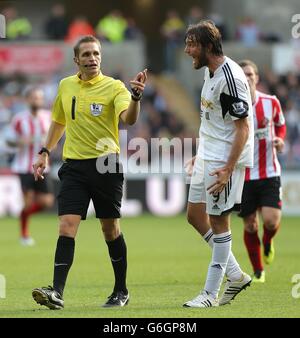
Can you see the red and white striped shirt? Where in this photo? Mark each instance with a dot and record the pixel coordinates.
(25, 125)
(269, 122)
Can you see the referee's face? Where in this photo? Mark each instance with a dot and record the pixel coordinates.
(88, 60)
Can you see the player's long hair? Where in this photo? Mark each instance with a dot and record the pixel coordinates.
(207, 34)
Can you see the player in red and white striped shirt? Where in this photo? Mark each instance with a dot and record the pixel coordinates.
(27, 133)
(262, 188)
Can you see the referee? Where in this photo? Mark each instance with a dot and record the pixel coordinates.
(88, 107)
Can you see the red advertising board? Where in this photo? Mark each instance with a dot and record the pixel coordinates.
(30, 59)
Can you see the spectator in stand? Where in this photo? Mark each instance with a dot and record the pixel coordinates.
(79, 27)
(195, 15)
(220, 24)
(172, 31)
(132, 32)
(248, 32)
(56, 26)
(17, 28)
(112, 27)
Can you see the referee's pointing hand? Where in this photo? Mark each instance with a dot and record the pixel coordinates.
(138, 83)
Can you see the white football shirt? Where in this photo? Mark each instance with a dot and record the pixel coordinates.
(225, 97)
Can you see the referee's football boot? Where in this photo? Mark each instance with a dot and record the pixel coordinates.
(117, 298)
(233, 288)
(49, 297)
(204, 299)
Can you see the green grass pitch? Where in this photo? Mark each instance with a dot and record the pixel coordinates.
(167, 265)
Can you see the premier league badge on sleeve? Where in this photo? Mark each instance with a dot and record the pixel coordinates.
(96, 109)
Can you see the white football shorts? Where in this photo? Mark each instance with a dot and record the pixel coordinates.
(200, 180)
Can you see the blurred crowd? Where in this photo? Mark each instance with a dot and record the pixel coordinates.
(113, 27)
(157, 119)
(287, 89)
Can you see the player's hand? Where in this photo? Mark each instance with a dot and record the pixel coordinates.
(40, 166)
(278, 143)
(189, 166)
(138, 83)
(223, 175)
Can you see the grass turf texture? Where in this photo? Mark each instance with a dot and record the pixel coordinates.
(167, 266)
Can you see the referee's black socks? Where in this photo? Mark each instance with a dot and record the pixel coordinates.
(118, 255)
(63, 260)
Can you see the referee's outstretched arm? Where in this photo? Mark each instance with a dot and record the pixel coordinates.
(130, 115)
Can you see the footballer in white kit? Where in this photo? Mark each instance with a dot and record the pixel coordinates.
(225, 150)
(225, 98)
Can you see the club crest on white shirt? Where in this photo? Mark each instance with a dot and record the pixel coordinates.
(96, 109)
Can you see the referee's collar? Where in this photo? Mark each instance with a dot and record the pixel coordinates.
(94, 80)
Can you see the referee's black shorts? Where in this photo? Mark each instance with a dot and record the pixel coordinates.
(81, 182)
(261, 193)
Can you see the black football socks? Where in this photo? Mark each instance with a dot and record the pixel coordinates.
(63, 261)
(118, 255)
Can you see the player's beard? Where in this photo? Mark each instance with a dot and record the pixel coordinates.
(202, 60)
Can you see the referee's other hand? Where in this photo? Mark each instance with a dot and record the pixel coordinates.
(39, 167)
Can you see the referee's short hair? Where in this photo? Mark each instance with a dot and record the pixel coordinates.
(246, 62)
(206, 33)
(84, 39)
